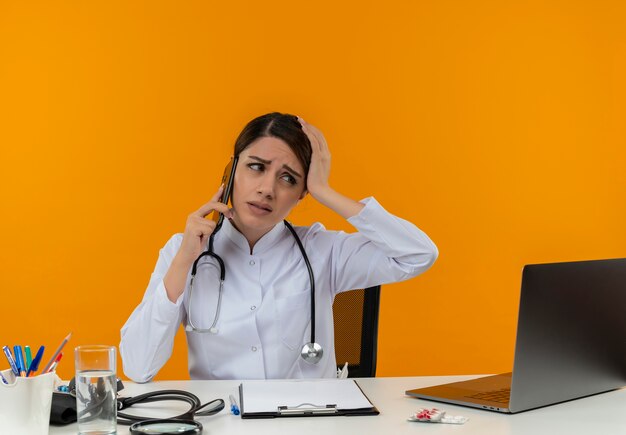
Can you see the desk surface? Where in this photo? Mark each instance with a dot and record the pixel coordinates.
(602, 414)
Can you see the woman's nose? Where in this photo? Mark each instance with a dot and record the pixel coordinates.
(266, 186)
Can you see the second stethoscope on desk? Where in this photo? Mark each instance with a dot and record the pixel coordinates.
(93, 407)
(311, 352)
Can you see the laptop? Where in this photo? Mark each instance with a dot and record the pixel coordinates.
(571, 340)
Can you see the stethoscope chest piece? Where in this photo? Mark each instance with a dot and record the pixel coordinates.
(167, 426)
(312, 353)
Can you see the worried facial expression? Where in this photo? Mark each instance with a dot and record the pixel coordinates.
(269, 182)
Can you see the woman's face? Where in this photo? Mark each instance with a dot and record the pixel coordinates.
(269, 182)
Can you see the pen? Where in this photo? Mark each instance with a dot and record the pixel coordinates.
(19, 359)
(4, 379)
(29, 357)
(63, 343)
(55, 363)
(35, 364)
(234, 408)
(7, 352)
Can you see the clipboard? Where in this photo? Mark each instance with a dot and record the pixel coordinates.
(303, 398)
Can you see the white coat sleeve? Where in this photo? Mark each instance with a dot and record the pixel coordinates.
(385, 249)
(148, 334)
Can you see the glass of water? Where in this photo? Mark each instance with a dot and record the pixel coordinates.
(96, 389)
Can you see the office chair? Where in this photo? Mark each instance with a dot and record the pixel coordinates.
(355, 315)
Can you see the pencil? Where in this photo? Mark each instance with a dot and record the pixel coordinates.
(58, 351)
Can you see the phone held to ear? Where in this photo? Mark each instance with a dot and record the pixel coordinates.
(227, 180)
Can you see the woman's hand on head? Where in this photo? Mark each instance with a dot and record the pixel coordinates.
(198, 228)
(319, 169)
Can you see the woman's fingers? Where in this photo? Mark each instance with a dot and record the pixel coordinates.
(319, 170)
(213, 204)
(221, 207)
(217, 194)
(319, 145)
(307, 131)
(199, 226)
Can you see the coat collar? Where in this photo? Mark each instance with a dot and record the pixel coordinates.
(268, 240)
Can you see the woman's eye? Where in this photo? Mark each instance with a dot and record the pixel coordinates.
(289, 179)
(256, 166)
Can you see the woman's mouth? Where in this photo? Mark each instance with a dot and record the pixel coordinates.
(258, 208)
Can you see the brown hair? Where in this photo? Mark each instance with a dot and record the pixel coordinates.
(282, 126)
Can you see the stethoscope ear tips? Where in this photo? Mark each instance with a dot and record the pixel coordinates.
(312, 353)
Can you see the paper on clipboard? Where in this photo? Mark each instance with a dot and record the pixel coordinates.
(268, 396)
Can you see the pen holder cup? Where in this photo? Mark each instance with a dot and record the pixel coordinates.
(25, 403)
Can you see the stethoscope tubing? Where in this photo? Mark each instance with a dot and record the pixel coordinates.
(209, 252)
(195, 406)
(311, 277)
(195, 409)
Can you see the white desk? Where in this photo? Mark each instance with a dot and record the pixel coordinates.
(601, 414)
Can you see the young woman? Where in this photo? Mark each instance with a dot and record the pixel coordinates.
(255, 326)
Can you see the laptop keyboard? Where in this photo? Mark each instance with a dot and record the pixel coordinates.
(499, 396)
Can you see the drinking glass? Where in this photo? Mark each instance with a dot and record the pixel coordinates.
(96, 389)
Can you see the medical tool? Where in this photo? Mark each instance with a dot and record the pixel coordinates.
(311, 352)
(64, 410)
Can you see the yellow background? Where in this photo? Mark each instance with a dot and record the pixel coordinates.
(495, 126)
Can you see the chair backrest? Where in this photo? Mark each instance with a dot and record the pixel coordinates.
(355, 314)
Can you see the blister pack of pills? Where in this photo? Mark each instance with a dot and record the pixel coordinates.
(434, 415)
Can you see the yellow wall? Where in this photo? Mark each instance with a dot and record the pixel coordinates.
(495, 126)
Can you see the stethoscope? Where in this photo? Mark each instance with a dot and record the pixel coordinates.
(196, 407)
(311, 352)
(183, 424)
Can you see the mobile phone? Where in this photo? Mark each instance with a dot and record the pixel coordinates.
(227, 180)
